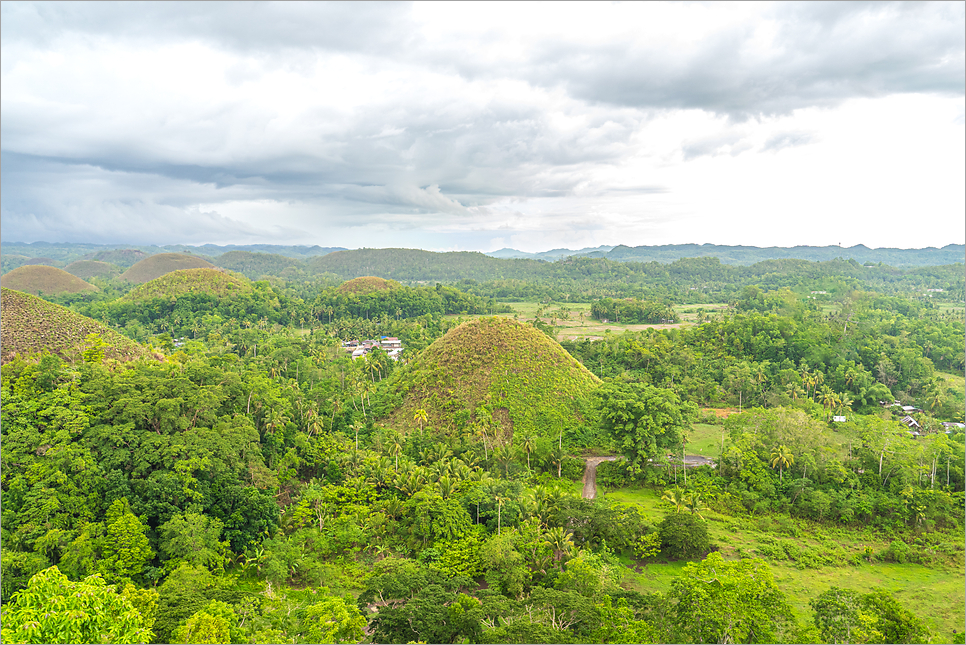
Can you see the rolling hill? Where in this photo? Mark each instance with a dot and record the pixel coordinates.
(367, 284)
(255, 265)
(30, 325)
(215, 282)
(39, 278)
(156, 266)
(87, 269)
(530, 383)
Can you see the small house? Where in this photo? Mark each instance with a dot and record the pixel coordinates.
(838, 419)
(909, 422)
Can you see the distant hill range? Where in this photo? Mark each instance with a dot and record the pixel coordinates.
(259, 260)
(747, 255)
(15, 254)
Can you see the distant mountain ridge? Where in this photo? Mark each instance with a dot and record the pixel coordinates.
(747, 255)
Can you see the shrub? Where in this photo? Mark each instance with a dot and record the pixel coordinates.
(683, 536)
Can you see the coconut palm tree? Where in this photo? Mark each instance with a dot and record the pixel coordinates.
(420, 417)
(529, 442)
(675, 496)
(560, 542)
(782, 458)
(357, 426)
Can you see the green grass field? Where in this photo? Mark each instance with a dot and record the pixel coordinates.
(574, 322)
(934, 593)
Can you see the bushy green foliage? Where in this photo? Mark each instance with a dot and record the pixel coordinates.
(52, 609)
(683, 536)
(847, 616)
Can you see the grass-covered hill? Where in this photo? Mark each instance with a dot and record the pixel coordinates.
(417, 265)
(38, 278)
(87, 269)
(215, 282)
(256, 265)
(366, 284)
(30, 325)
(528, 382)
(156, 266)
(121, 257)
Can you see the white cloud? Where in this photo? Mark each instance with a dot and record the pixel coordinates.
(456, 125)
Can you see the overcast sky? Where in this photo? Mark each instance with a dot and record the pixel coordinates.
(482, 126)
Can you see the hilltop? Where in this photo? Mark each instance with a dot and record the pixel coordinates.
(255, 265)
(530, 383)
(215, 282)
(156, 266)
(87, 269)
(30, 325)
(367, 284)
(38, 278)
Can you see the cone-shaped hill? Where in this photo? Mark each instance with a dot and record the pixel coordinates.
(528, 381)
(156, 266)
(87, 269)
(215, 282)
(367, 284)
(38, 278)
(29, 325)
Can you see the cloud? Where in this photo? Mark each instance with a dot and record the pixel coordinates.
(291, 120)
(782, 140)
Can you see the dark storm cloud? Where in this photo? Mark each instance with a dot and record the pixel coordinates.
(44, 199)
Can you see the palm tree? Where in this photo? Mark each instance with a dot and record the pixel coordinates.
(357, 426)
(529, 443)
(694, 502)
(782, 458)
(499, 512)
(675, 496)
(827, 397)
(560, 542)
(395, 446)
(420, 417)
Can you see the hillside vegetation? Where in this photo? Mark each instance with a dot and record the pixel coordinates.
(31, 325)
(366, 284)
(87, 269)
(499, 373)
(255, 265)
(215, 282)
(156, 266)
(38, 278)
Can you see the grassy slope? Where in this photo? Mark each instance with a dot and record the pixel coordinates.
(176, 283)
(87, 269)
(156, 266)
(934, 593)
(46, 279)
(367, 284)
(531, 382)
(31, 325)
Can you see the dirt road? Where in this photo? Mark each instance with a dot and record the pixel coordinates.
(590, 475)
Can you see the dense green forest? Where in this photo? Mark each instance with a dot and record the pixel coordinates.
(247, 481)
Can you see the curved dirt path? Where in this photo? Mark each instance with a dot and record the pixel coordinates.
(590, 475)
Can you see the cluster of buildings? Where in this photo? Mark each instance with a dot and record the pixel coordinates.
(915, 429)
(389, 344)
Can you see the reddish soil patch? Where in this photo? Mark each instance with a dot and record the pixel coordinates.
(722, 413)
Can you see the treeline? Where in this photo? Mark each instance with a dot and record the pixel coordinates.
(777, 348)
(402, 302)
(632, 310)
